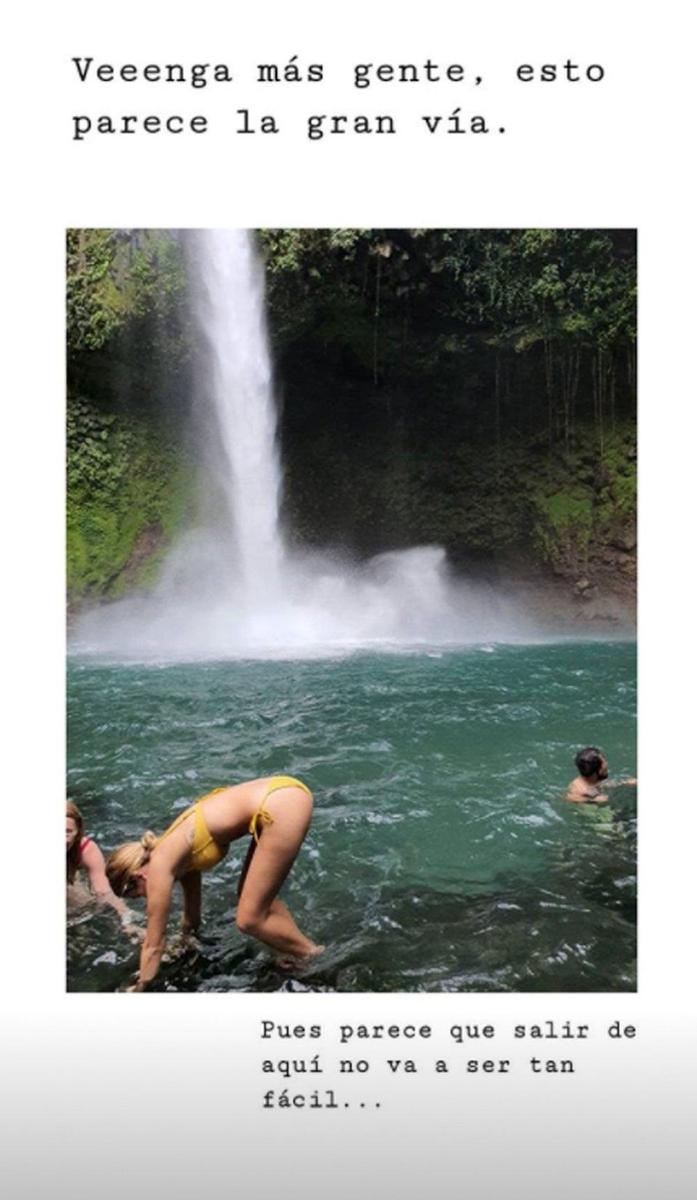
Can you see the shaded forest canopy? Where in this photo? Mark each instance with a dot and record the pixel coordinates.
(474, 388)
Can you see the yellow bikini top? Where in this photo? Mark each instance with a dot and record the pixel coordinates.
(205, 852)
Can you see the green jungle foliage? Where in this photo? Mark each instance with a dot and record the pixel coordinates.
(128, 493)
(474, 388)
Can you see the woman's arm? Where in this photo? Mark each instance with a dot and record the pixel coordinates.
(160, 884)
(191, 886)
(93, 861)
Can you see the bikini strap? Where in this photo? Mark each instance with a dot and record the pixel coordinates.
(276, 783)
(261, 815)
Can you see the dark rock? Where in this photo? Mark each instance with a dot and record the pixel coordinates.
(626, 540)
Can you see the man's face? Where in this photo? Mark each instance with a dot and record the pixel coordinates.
(603, 771)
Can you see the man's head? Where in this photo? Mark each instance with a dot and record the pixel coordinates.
(591, 763)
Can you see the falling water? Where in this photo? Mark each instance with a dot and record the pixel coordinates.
(230, 587)
(229, 308)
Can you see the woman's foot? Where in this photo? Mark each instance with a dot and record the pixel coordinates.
(295, 962)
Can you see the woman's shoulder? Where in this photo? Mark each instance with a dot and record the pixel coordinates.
(89, 850)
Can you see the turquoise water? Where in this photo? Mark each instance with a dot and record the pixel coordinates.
(441, 857)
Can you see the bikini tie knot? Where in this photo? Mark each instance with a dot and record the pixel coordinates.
(260, 815)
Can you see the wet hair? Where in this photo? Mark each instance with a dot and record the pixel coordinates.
(589, 761)
(73, 855)
(126, 860)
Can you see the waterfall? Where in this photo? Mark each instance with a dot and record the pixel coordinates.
(229, 586)
(237, 386)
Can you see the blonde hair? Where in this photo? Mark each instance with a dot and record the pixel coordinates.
(123, 862)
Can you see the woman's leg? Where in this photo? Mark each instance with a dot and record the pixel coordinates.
(259, 911)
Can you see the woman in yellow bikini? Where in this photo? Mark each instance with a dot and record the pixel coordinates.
(275, 810)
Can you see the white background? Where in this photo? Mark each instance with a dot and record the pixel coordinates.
(111, 1095)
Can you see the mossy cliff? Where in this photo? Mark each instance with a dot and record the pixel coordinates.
(128, 493)
(129, 474)
(569, 514)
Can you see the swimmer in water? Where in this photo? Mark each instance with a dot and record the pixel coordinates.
(83, 854)
(592, 768)
(275, 810)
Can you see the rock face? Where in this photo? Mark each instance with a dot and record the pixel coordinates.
(625, 540)
(616, 569)
(584, 525)
(149, 545)
(607, 589)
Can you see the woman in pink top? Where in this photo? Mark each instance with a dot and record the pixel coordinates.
(83, 854)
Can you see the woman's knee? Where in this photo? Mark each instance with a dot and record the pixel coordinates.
(249, 920)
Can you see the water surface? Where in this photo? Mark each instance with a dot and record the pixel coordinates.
(441, 857)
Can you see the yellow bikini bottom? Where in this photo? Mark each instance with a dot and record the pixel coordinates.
(275, 784)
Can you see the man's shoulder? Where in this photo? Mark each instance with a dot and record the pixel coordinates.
(579, 790)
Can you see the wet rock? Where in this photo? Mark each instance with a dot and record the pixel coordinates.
(625, 540)
(585, 590)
